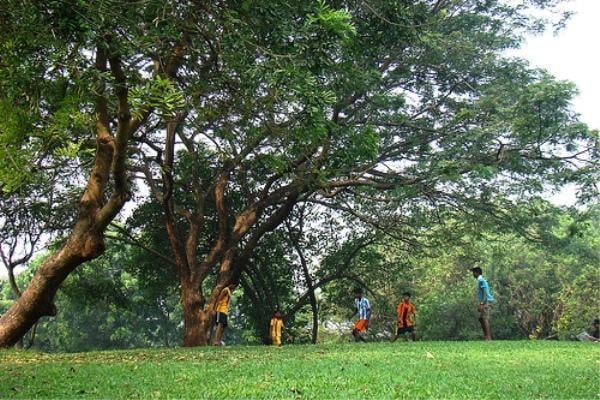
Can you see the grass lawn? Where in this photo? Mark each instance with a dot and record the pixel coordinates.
(496, 370)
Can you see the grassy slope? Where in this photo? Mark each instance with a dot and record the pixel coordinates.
(506, 370)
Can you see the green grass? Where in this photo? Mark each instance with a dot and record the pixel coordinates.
(496, 370)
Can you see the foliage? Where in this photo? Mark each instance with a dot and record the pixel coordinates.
(544, 278)
(160, 94)
(545, 283)
(513, 370)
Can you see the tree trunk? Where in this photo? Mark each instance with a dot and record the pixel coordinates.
(260, 309)
(309, 283)
(32, 337)
(96, 209)
(37, 300)
(196, 321)
(166, 319)
(13, 282)
(315, 313)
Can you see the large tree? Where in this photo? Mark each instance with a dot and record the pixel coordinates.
(408, 103)
(66, 69)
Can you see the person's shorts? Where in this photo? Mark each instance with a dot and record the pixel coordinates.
(361, 325)
(221, 319)
(405, 329)
(485, 312)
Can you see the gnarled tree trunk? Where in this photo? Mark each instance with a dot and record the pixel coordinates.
(86, 240)
(37, 300)
(223, 253)
(196, 321)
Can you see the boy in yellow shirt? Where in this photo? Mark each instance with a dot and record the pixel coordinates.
(222, 310)
(275, 328)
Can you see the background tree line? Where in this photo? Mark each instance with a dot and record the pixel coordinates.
(546, 284)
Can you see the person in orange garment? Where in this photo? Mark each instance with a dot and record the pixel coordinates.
(275, 328)
(222, 310)
(406, 318)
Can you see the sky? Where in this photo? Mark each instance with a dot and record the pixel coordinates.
(573, 55)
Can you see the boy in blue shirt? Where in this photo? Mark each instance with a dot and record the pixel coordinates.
(485, 299)
(363, 307)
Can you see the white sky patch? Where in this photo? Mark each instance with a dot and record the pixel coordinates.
(573, 55)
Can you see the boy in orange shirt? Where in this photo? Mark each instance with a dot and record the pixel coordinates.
(405, 323)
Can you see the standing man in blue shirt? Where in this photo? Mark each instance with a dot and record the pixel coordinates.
(485, 299)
